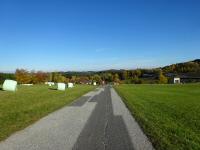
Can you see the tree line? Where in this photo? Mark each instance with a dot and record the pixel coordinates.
(191, 66)
(137, 76)
(23, 76)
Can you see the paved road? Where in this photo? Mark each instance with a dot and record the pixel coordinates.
(97, 121)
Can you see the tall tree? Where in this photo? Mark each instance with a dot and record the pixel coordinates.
(23, 76)
(40, 77)
(97, 78)
(125, 75)
(116, 78)
(161, 78)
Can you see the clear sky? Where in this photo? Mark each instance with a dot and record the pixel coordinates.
(54, 35)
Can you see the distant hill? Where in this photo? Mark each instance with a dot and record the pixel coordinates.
(190, 68)
(184, 67)
(196, 60)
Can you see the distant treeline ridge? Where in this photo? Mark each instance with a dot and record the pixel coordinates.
(155, 75)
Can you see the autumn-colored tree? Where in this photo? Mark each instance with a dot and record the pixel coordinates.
(23, 76)
(116, 78)
(161, 78)
(138, 73)
(61, 79)
(83, 79)
(125, 75)
(73, 79)
(39, 77)
(97, 78)
(50, 77)
(106, 77)
(110, 77)
(67, 80)
(57, 77)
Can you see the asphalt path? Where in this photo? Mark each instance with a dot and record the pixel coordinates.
(98, 120)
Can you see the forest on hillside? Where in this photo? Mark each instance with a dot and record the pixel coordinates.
(155, 75)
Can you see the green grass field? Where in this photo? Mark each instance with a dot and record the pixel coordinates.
(27, 105)
(168, 114)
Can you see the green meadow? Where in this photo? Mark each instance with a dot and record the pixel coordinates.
(168, 114)
(30, 103)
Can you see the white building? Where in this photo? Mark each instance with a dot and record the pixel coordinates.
(177, 80)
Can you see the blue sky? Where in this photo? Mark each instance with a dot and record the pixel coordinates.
(54, 35)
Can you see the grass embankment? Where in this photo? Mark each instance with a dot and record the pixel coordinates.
(27, 105)
(168, 114)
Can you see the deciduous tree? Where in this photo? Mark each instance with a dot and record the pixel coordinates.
(23, 76)
(161, 78)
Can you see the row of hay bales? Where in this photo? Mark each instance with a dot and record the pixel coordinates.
(11, 85)
(60, 86)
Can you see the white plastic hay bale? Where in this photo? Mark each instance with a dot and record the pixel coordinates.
(61, 86)
(94, 83)
(70, 85)
(50, 83)
(10, 85)
(27, 84)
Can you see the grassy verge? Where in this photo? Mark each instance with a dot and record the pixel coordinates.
(168, 114)
(28, 104)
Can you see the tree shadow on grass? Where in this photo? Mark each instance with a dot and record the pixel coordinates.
(1, 89)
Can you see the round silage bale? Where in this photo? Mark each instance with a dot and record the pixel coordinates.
(10, 85)
(61, 86)
(70, 85)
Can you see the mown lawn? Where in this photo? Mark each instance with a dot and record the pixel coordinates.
(168, 114)
(27, 105)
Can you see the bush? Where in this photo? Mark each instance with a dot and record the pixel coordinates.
(161, 78)
(136, 80)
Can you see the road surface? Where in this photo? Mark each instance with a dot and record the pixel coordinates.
(98, 120)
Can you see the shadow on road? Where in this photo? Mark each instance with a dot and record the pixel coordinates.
(103, 130)
(80, 102)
